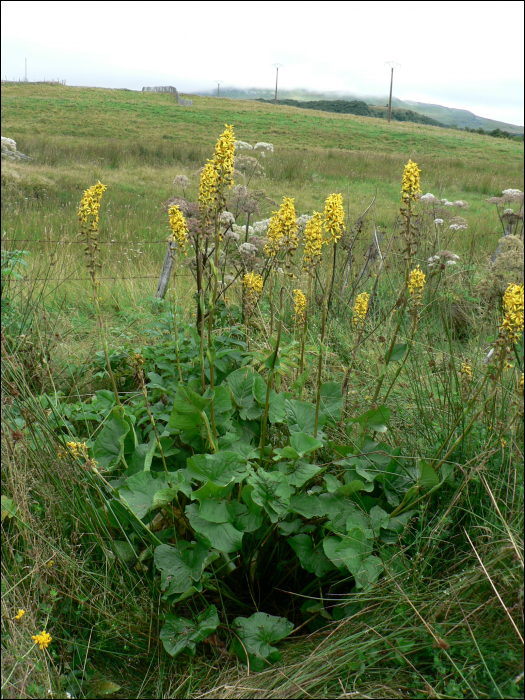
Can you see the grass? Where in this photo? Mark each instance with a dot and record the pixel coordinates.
(445, 626)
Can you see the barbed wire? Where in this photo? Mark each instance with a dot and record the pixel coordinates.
(84, 279)
(29, 240)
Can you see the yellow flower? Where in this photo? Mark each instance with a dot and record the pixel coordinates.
(520, 384)
(416, 284)
(360, 309)
(466, 371)
(253, 287)
(217, 173)
(299, 305)
(313, 242)
(282, 229)
(50, 563)
(411, 185)
(178, 226)
(334, 217)
(90, 205)
(20, 614)
(77, 449)
(512, 324)
(43, 640)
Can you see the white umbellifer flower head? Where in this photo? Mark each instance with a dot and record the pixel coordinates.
(428, 197)
(263, 146)
(248, 249)
(458, 227)
(232, 235)
(510, 192)
(460, 203)
(261, 227)
(182, 181)
(243, 146)
(448, 204)
(444, 200)
(227, 218)
(451, 262)
(240, 230)
(438, 222)
(508, 211)
(302, 221)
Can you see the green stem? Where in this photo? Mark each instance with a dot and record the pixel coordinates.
(321, 349)
(270, 378)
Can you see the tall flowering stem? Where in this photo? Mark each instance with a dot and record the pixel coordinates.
(334, 226)
(334, 222)
(88, 216)
(410, 189)
(312, 256)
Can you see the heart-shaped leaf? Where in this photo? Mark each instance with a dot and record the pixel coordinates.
(181, 635)
(257, 634)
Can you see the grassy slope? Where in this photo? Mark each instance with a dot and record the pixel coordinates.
(80, 112)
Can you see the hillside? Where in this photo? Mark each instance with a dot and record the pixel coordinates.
(447, 116)
(360, 108)
(60, 111)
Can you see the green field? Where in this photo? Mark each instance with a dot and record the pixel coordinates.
(370, 492)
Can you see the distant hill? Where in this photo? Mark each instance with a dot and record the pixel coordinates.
(438, 114)
(360, 108)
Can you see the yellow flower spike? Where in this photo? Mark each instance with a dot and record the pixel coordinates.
(217, 172)
(282, 229)
(521, 383)
(512, 324)
(90, 205)
(334, 217)
(20, 614)
(360, 309)
(43, 640)
(416, 283)
(299, 305)
(466, 371)
(313, 245)
(77, 449)
(253, 287)
(411, 184)
(178, 226)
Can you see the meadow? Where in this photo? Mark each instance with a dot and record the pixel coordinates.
(365, 537)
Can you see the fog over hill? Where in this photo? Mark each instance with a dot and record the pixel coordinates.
(447, 116)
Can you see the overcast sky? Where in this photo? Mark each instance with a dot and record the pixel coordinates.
(458, 54)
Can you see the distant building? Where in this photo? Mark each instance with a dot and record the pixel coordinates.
(173, 91)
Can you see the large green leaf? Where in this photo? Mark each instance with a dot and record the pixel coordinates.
(369, 571)
(277, 407)
(271, 491)
(301, 417)
(350, 551)
(145, 491)
(116, 438)
(141, 458)
(428, 477)
(303, 444)
(331, 401)
(215, 510)
(181, 635)
(182, 565)
(398, 353)
(299, 473)
(257, 634)
(188, 407)
(376, 419)
(309, 506)
(314, 561)
(244, 519)
(221, 536)
(378, 519)
(221, 468)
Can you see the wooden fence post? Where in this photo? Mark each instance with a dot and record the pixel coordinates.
(167, 267)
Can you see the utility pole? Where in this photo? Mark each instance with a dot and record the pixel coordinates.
(219, 83)
(391, 65)
(26, 70)
(276, 66)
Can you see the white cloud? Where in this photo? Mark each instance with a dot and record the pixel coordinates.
(451, 53)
